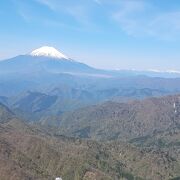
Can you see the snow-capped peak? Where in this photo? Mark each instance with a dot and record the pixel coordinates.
(48, 52)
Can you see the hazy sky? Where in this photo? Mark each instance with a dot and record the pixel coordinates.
(111, 34)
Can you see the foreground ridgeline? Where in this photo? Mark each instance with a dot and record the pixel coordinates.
(35, 152)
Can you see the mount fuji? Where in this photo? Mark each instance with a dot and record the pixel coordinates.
(44, 59)
(49, 60)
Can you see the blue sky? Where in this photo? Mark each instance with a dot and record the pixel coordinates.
(111, 34)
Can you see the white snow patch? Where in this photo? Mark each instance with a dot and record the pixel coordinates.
(58, 178)
(171, 71)
(174, 105)
(48, 52)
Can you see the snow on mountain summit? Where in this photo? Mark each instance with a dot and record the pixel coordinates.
(48, 52)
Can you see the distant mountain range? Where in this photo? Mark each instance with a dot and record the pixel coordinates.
(33, 105)
(49, 60)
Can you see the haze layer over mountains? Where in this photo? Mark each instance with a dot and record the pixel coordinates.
(62, 118)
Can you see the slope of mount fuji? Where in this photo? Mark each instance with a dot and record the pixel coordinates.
(31, 64)
(46, 59)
